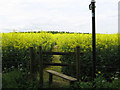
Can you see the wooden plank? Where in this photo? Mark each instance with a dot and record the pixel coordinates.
(32, 57)
(60, 53)
(50, 78)
(41, 65)
(100, 67)
(61, 75)
(78, 63)
(57, 64)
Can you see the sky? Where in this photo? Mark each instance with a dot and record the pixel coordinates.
(58, 15)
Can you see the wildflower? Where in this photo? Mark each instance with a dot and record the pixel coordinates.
(20, 64)
(4, 68)
(21, 69)
(112, 77)
(12, 67)
(103, 80)
(116, 78)
(28, 73)
(117, 72)
(99, 72)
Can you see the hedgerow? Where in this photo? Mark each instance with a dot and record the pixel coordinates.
(15, 47)
(106, 53)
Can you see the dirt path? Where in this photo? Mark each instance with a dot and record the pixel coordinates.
(57, 81)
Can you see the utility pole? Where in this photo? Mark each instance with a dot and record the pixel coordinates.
(92, 7)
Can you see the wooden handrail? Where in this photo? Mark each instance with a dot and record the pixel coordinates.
(58, 64)
(59, 53)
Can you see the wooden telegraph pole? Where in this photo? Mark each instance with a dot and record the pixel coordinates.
(92, 7)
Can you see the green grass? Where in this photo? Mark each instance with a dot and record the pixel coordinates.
(12, 79)
(57, 81)
(0, 80)
(15, 79)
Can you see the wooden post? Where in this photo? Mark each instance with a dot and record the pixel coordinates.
(40, 66)
(32, 57)
(50, 78)
(78, 63)
(92, 7)
(72, 82)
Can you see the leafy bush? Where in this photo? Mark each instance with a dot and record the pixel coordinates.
(106, 49)
(15, 50)
(12, 79)
(15, 47)
(18, 79)
(99, 82)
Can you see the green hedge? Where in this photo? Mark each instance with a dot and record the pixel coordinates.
(106, 48)
(15, 47)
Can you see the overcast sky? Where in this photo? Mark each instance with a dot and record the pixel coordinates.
(61, 15)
